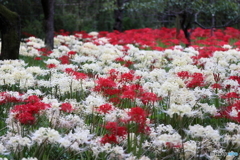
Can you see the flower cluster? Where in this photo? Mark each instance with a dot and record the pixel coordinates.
(112, 95)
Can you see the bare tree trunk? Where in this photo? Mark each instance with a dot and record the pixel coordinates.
(118, 15)
(186, 25)
(48, 10)
(10, 33)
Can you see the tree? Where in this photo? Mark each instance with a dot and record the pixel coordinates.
(48, 10)
(10, 33)
(207, 14)
(118, 14)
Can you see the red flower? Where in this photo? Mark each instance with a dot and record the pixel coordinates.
(37, 58)
(197, 80)
(79, 75)
(128, 77)
(216, 85)
(103, 84)
(66, 107)
(115, 100)
(172, 145)
(69, 70)
(32, 99)
(231, 95)
(148, 97)
(115, 129)
(137, 114)
(183, 74)
(71, 53)
(51, 66)
(237, 78)
(129, 94)
(105, 108)
(109, 139)
(64, 59)
(26, 118)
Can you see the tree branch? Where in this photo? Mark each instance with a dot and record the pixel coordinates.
(229, 23)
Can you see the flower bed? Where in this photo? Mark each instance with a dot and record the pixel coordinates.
(132, 95)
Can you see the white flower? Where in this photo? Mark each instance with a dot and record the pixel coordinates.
(17, 141)
(190, 149)
(92, 101)
(43, 134)
(208, 108)
(181, 110)
(169, 87)
(3, 149)
(52, 61)
(234, 112)
(227, 46)
(205, 132)
(230, 126)
(30, 158)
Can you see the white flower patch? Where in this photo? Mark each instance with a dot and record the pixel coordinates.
(92, 102)
(45, 135)
(52, 61)
(230, 126)
(168, 87)
(206, 108)
(190, 149)
(18, 141)
(3, 149)
(180, 110)
(204, 132)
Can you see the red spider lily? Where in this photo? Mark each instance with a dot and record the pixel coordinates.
(7, 98)
(237, 78)
(113, 74)
(105, 108)
(79, 75)
(196, 80)
(149, 97)
(230, 95)
(114, 128)
(37, 58)
(225, 112)
(51, 66)
(172, 145)
(127, 77)
(216, 86)
(45, 51)
(25, 112)
(112, 92)
(125, 63)
(72, 53)
(129, 94)
(103, 84)
(66, 107)
(115, 100)
(32, 99)
(69, 70)
(62, 32)
(64, 59)
(183, 74)
(138, 115)
(32, 109)
(112, 139)
(26, 118)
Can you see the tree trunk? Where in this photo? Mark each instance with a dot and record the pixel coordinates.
(48, 10)
(186, 22)
(118, 15)
(10, 28)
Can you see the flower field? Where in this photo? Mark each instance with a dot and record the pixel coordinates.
(136, 95)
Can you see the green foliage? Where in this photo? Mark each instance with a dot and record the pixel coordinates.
(98, 15)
